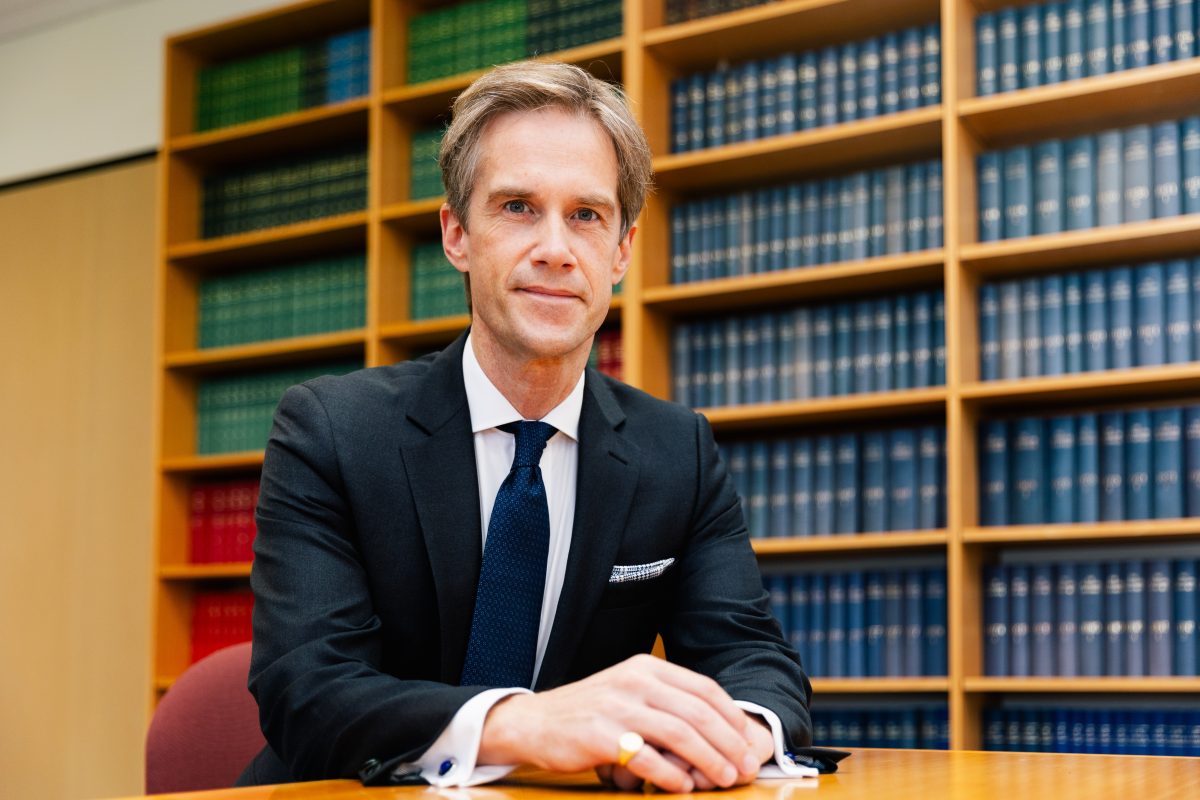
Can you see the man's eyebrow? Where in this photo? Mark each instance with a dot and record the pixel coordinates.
(517, 193)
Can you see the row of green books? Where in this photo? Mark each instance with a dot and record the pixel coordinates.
(426, 176)
(310, 297)
(283, 192)
(234, 413)
(481, 33)
(328, 70)
(437, 287)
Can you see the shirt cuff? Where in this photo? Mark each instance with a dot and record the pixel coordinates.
(783, 767)
(450, 760)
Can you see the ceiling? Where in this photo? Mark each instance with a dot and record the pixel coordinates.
(19, 17)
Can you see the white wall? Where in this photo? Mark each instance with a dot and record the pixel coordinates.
(89, 90)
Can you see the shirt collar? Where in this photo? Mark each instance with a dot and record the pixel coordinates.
(490, 409)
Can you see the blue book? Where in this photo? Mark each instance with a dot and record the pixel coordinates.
(1136, 171)
(1168, 462)
(835, 638)
(914, 207)
(902, 343)
(823, 483)
(995, 620)
(700, 395)
(874, 482)
(1091, 619)
(848, 82)
(807, 91)
(751, 76)
(788, 70)
(934, 220)
(830, 223)
(1184, 614)
(1018, 192)
(1028, 467)
(1073, 329)
(889, 96)
(1138, 36)
(930, 478)
(777, 229)
(1120, 318)
(1080, 183)
(910, 68)
(934, 655)
(1062, 469)
(1185, 29)
(1019, 619)
(877, 243)
(901, 480)
(893, 624)
(818, 626)
(931, 65)
(1160, 637)
(1167, 169)
(681, 363)
(1095, 320)
(993, 472)
(1112, 466)
(922, 339)
(1097, 36)
(859, 229)
(1162, 43)
(843, 348)
(768, 360)
(706, 242)
(894, 212)
(798, 635)
(1109, 178)
(1053, 67)
(1087, 466)
(989, 332)
(1031, 327)
(846, 483)
(779, 601)
(793, 225)
(761, 236)
(1049, 187)
(680, 99)
(1009, 57)
(1054, 356)
(1011, 341)
(695, 112)
(1030, 18)
(714, 108)
(768, 98)
(1189, 159)
(803, 324)
(779, 506)
(1178, 280)
(1150, 313)
(856, 626)
(1042, 635)
(869, 78)
(1114, 619)
(760, 488)
(679, 244)
(810, 205)
(986, 54)
(875, 634)
(722, 264)
(822, 351)
(1118, 36)
(1074, 40)
(1139, 491)
(883, 346)
(914, 622)
(715, 331)
(1067, 616)
(786, 355)
(734, 127)
(991, 203)
(827, 86)
(751, 353)
(1191, 426)
(802, 486)
(734, 377)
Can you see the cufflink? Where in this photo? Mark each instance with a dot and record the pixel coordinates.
(446, 767)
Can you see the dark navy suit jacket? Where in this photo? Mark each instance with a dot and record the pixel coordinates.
(369, 547)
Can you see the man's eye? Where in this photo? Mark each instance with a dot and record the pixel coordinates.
(516, 206)
(587, 215)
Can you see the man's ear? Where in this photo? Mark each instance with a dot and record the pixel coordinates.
(624, 255)
(455, 239)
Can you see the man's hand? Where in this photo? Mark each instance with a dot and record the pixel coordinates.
(696, 737)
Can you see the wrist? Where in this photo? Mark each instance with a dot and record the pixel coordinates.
(504, 739)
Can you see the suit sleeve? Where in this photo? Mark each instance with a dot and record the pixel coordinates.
(326, 707)
(720, 625)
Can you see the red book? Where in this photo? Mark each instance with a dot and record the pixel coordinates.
(219, 523)
(243, 521)
(198, 527)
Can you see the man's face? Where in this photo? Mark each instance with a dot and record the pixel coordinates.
(544, 249)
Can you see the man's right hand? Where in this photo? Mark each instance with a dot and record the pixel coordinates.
(576, 727)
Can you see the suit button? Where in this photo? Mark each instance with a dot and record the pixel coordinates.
(369, 769)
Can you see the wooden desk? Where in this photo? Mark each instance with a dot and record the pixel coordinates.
(867, 775)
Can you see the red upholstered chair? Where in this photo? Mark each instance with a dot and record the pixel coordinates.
(205, 730)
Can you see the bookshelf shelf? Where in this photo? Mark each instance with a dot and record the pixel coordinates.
(852, 145)
(213, 465)
(1083, 685)
(1141, 530)
(300, 130)
(417, 216)
(425, 332)
(1144, 382)
(879, 405)
(851, 543)
(879, 685)
(201, 572)
(287, 241)
(798, 24)
(1157, 238)
(261, 354)
(1068, 109)
(797, 284)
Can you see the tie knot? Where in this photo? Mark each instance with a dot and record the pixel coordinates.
(531, 441)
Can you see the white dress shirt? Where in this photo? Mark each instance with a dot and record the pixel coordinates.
(450, 760)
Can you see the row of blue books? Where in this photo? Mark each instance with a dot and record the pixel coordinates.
(837, 484)
(924, 725)
(1046, 43)
(800, 91)
(864, 624)
(1131, 175)
(867, 214)
(1145, 731)
(874, 345)
(1091, 618)
(1113, 318)
(1117, 465)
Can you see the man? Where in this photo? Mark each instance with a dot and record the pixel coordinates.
(440, 536)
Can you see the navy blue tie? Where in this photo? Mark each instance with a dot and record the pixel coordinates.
(508, 602)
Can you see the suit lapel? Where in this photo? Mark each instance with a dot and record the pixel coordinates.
(606, 481)
(439, 459)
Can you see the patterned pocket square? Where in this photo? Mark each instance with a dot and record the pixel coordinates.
(639, 572)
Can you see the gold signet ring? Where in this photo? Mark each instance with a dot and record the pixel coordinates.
(628, 746)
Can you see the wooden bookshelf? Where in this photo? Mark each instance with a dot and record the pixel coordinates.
(646, 58)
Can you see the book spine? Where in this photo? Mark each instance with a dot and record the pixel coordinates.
(681, 370)
(835, 638)
(914, 207)
(1149, 313)
(1017, 192)
(1191, 421)
(1010, 333)
(914, 622)
(1041, 626)
(1139, 36)
(1080, 183)
(1178, 311)
(931, 65)
(934, 660)
(1168, 462)
(889, 97)
(798, 634)
(848, 82)
(1121, 318)
(856, 626)
(751, 76)
(1030, 19)
(827, 86)
(823, 483)
(779, 506)
(1112, 467)
(1073, 327)
(823, 351)
(874, 622)
(995, 620)
(934, 204)
(1114, 619)
(818, 664)
(1158, 619)
(760, 471)
(1087, 480)
(1052, 43)
(768, 98)
(788, 98)
(893, 623)
(846, 488)
(991, 203)
(883, 347)
(1189, 136)
(1139, 498)
(910, 69)
(1091, 619)
(1062, 470)
(714, 108)
(931, 478)
(828, 245)
(1185, 28)
(1097, 37)
(1053, 337)
(989, 332)
(922, 339)
(806, 101)
(1138, 201)
(802, 487)
(1074, 40)
(1031, 327)
(994, 473)
(1118, 36)
(1048, 187)
(1167, 168)
(902, 480)
(1019, 617)
(1028, 497)
(1067, 615)
(874, 482)
(1009, 49)
(1109, 178)
(1184, 609)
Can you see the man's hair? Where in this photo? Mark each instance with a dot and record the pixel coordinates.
(531, 86)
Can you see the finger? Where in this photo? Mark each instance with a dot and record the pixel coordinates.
(623, 779)
(699, 778)
(727, 740)
(649, 765)
(703, 687)
(605, 773)
(669, 732)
